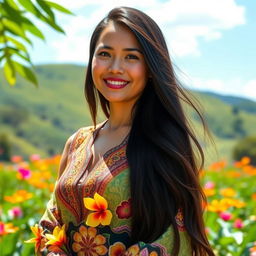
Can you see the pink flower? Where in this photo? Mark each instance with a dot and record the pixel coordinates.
(209, 184)
(25, 174)
(238, 223)
(15, 212)
(226, 216)
(34, 157)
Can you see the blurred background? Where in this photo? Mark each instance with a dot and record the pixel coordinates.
(44, 49)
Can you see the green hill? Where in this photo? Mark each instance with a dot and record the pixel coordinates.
(39, 120)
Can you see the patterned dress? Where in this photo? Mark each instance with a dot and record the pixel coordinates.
(110, 179)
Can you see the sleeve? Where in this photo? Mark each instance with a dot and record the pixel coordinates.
(164, 244)
(51, 224)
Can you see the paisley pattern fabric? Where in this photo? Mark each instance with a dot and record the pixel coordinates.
(110, 179)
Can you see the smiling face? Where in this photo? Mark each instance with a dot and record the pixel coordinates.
(119, 70)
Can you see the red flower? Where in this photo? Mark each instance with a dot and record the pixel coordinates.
(123, 211)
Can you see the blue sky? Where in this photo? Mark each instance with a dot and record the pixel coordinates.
(213, 42)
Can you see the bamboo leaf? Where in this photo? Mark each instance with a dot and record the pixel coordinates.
(13, 5)
(33, 30)
(46, 8)
(26, 72)
(28, 5)
(19, 45)
(58, 7)
(15, 51)
(14, 27)
(24, 37)
(9, 72)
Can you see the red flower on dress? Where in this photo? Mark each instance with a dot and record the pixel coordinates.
(123, 211)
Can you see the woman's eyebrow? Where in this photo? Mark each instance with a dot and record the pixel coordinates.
(125, 49)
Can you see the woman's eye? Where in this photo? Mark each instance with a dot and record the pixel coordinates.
(104, 54)
(132, 57)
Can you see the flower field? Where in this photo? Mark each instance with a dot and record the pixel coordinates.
(230, 212)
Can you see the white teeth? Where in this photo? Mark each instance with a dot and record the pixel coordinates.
(116, 82)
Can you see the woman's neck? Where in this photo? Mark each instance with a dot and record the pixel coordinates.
(120, 116)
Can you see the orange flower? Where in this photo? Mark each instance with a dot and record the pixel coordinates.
(100, 215)
(228, 192)
(39, 239)
(254, 196)
(218, 165)
(18, 197)
(87, 242)
(117, 249)
(58, 237)
(209, 191)
(7, 228)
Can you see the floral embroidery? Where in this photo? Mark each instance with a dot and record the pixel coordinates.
(39, 239)
(100, 215)
(117, 249)
(180, 220)
(58, 239)
(133, 251)
(88, 243)
(123, 211)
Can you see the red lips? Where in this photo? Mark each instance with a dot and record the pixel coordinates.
(115, 83)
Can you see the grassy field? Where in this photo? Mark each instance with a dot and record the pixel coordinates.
(230, 213)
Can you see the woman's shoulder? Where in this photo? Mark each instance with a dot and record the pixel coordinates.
(81, 134)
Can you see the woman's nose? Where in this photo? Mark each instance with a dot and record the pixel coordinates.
(116, 66)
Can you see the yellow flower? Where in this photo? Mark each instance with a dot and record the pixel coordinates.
(217, 206)
(39, 239)
(58, 237)
(100, 215)
(18, 197)
(209, 191)
(228, 192)
(87, 242)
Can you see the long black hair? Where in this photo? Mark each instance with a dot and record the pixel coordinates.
(161, 150)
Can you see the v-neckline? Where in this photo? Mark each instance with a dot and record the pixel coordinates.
(94, 135)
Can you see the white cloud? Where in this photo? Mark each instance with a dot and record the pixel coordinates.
(183, 23)
(249, 89)
(234, 86)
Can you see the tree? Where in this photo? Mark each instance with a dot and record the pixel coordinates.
(245, 147)
(15, 31)
(5, 148)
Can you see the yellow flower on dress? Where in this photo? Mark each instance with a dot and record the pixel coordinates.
(58, 237)
(39, 239)
(117, 249)
(100, 215)
(133, 250)
(88, 243)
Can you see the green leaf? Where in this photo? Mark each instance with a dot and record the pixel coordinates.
(24, 37)
(13, 5)
(26, 72)
(33, 30)
(9, 72)
(19, 45)
(14, 27)
(52, 24)
(15, 51)
(46, 8)
(58, 7)
(29, 6)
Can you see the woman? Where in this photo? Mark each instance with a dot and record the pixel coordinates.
(128, 186)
